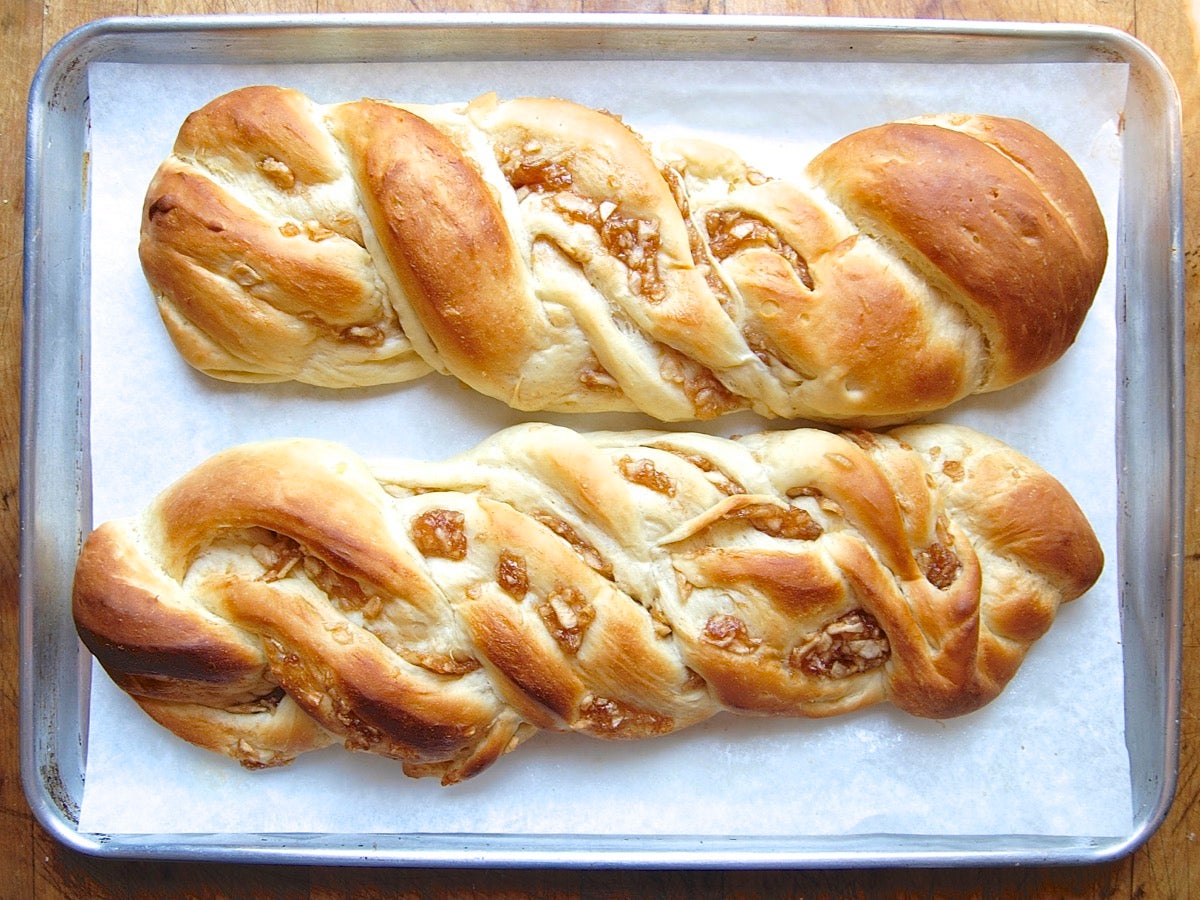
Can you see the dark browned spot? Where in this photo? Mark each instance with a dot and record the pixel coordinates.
(729, 633)
(511, 574)
(440, 533)
(848, 645)
(567, 614)
(605, 717)
(645, 473)
(731, 231)
(940, 564)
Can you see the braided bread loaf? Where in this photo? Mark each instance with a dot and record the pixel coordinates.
(546, 255)
(284, 596)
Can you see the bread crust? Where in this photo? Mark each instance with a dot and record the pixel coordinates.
(991, 206)
(550, 257)
(286, 595)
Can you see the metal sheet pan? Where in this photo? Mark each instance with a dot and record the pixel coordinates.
(55, 487)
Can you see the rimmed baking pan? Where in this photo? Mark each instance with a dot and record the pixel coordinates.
(61, 441)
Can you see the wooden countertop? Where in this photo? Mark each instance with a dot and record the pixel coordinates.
(34, 865)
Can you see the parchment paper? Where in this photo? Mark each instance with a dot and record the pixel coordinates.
(1047, 757)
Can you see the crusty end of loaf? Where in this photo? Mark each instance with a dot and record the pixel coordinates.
(990, 207)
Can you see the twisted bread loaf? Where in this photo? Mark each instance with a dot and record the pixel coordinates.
(284, 596)
(546, 255)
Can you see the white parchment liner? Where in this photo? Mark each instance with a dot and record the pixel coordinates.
(1047, 757)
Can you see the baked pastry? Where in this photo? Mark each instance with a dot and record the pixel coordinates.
(284, 595)
(547, 255)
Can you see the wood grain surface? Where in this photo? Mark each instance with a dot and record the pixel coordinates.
(34, 865)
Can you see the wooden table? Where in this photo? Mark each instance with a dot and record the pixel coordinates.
(35, 865)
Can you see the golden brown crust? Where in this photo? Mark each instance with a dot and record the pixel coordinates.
(252, 242)
(134, 618)
(549, 256)
(995, 208)
(444, 236)
(284, 595)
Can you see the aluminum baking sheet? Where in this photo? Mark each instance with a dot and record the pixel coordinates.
(66, 347)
